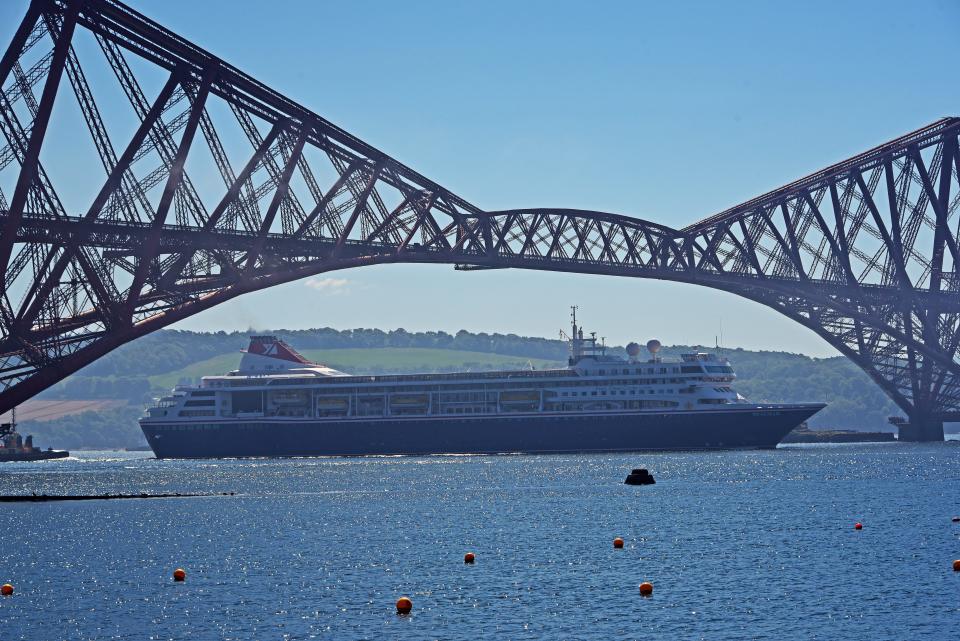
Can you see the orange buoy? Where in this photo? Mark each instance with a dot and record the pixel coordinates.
(858, 526)
(618, 543)
(7, 589)
(646, 588)
(469, 557)
(179, 574)
(404, 605)
(956, 568)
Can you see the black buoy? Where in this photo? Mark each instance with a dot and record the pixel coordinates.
(640, 476)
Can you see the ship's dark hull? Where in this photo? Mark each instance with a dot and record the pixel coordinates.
(733, 428)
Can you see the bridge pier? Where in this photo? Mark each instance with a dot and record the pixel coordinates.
(921, 429)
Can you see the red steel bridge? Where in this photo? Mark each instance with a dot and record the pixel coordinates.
(201, 184)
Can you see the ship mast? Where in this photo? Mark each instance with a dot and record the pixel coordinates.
(576, 344)
(580, 346)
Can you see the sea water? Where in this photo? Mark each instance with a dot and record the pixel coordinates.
(738, 545)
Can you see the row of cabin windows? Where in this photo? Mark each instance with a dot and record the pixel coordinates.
(653, 370)
(620, 392)
(621, 381)
(191, 427)
(576, 405)
(683, 369)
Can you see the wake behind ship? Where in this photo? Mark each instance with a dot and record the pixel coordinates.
(278, 403)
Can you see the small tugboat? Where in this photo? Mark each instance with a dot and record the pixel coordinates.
(640, 476)
(13, 447)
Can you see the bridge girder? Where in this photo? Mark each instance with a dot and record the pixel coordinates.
(864, 252)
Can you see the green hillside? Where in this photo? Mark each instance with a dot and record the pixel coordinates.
(367, 361)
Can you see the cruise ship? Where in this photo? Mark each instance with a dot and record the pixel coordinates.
(279, 403)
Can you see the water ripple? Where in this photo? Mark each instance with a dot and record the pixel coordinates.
(739, 545)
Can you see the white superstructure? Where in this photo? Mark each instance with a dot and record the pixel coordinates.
(274, 382)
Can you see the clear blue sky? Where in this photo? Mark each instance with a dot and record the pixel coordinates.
(664, 111)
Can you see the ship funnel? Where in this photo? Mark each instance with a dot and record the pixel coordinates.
(269, 353)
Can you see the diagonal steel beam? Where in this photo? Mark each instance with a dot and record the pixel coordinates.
(149, 251)
(942, 235)
(281, 193)
(423, 214)
(29, 168)
(792, 246)
(321, 207)
(233, 192)
(359, 207)
(20, 37)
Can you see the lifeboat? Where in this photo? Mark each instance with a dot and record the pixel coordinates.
(519, 397)
(409, 399)
(289, 397)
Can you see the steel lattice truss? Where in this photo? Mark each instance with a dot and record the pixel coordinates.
(181, 217)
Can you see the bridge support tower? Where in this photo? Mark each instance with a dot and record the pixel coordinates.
(922, 429)
(919, 428)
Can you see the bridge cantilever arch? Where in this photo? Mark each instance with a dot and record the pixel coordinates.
(199, 184)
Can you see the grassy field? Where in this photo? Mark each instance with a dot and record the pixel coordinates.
(364, 361)
(48, 410)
